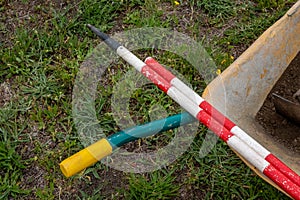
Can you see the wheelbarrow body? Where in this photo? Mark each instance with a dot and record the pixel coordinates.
(240, 91)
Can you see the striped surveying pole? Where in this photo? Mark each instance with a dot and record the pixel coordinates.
(235, 137)
(104, 147)
(228, 124)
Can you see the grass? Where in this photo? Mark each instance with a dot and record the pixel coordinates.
(157, 185)
(11, 163)
(40, 58)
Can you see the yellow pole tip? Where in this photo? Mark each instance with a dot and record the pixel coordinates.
(64, 170)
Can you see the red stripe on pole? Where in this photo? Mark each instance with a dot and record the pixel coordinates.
(155, 78)
(217, 115)
(214, 125)
(168, 76)
(283, 182)
(283, 168)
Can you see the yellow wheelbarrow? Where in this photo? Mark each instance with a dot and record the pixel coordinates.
(244, 86)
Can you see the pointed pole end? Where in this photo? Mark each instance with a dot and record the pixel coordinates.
(89, 26)
(100, 34)
(109, 41)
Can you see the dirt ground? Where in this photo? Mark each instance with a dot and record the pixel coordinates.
(283, 130)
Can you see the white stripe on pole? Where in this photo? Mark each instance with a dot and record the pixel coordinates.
(183, 101)
(130, 58)
(191, 94)
(250, 141)
(248, 153)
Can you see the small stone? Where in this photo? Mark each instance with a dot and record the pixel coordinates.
(297, 96)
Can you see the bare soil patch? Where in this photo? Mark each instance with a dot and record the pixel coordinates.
(281, 129)
(6, 93)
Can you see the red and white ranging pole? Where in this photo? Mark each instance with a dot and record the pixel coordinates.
(235, 137)
(227, 123)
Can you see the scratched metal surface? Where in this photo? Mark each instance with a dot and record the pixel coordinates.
(241, 89)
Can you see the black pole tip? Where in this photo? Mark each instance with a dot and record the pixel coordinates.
(100, 34)
(89, 26)
(109, 41)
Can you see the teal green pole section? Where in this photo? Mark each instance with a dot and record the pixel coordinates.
(120, 138)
